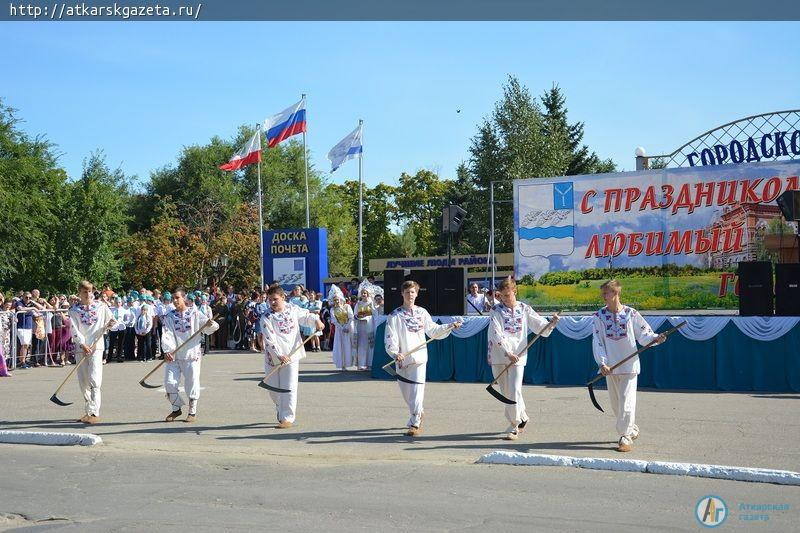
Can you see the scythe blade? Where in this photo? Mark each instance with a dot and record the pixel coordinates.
(594, 400)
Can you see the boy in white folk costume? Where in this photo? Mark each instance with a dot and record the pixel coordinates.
(364, 336)
(510, 323)
(179, 324)
(89, 318)
(281, 330)
(406, 328)
(616, 329)
(342, 319)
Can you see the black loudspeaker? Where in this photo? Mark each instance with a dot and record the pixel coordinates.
(450, 291)
(789, 202)
(755, 288)
(452, 218)
(427, 289)
(787, 289)
(392, 295)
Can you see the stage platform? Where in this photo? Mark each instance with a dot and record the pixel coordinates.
(721, 352)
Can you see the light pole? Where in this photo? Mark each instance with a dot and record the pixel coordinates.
(219, 264)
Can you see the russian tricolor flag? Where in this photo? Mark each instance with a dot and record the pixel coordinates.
(250, 153)
(288, 122)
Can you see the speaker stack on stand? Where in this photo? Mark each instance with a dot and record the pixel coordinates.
(787, 275)
(755, 288)
(442, 291)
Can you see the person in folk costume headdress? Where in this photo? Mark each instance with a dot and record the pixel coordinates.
(406, 328)
(364, 337)
(281, 330)
(179, 325)
(509, 325)
(89, 318)
(342, 320)
(616, 328)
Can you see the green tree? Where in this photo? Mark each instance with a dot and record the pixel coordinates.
(95, 219)
(330, 211)
(420, 199)
(31, 190)
(405, 244)
(378, 214)
(521, 141)
(195, 179)
(284, 198)
(581, 159)
(208, 198)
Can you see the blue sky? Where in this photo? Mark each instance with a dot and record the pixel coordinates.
(142, 90)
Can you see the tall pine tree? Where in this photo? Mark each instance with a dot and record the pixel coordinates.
(521, 139)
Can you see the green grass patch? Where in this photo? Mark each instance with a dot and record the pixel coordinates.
(674, 292)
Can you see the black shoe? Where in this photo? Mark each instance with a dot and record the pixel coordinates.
(523, 424)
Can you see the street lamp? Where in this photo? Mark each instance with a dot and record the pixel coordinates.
(219, 264)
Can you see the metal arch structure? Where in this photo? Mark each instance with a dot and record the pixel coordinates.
(752, 127)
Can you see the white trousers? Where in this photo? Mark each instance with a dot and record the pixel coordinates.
(90, 378)
(191, 383)
(285, 402)
(622, 393)
(413, 394)
(510, 385)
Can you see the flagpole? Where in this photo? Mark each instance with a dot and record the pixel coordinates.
(260, 218)
(305, 159)
(360, 208)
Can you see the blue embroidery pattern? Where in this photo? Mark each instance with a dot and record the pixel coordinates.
(616, 326)
(512, 318)
(412, 320)
(283, 321)
(182, 321)
(88, 315)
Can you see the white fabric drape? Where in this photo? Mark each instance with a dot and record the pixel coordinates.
(700, 328)
(697, 328)
(765, 328)
(575, 327)
(472, 325)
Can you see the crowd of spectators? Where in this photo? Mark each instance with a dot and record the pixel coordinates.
(39, 328)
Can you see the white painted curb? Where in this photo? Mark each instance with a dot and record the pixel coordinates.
(49, 439)
(734, 473)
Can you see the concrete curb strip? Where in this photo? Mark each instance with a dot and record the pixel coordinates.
(48, 438)
(734, 473)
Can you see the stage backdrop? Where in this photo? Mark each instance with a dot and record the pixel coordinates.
(296, 257)
(673, 236)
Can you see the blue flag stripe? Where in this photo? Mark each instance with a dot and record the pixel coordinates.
(551, 232)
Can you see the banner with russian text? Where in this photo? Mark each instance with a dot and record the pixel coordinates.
(673, 237)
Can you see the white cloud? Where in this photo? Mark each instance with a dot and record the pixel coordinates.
(576, 261)
(536, 266)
